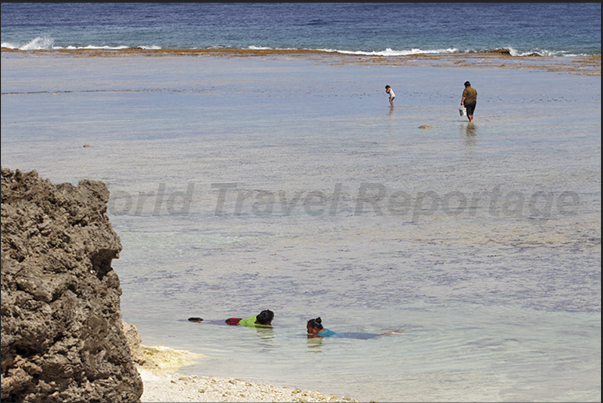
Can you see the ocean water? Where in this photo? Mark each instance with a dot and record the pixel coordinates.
(242, 184)
(550, 29)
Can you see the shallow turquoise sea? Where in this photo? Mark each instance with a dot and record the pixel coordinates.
(242, 184)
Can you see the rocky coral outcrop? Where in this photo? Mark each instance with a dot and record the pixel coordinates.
(62, 331)
(137, 350)
(502, 52)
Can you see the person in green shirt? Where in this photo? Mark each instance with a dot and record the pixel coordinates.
(263, 319)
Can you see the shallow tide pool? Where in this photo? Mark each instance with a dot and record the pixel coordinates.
(246, 184)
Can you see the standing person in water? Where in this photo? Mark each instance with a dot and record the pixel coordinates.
(263, 319)
(391, 93)
(469, 100)
(316, 329)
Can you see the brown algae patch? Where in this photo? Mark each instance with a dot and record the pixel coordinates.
(497, 58)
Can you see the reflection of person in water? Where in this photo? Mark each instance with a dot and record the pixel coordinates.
(316, 329)
(263, 319)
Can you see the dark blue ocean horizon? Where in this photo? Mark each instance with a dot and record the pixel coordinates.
(549, 29)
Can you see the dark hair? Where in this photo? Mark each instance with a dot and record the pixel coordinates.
(467, 84)
(315, 323)
(387, 86)
(265, 317)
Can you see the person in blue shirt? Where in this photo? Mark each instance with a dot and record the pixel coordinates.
(316, 329)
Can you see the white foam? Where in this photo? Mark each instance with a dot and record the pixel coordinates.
(40, 42)
(391, 52)
(544, 52)
(47, 43)
(93, 47)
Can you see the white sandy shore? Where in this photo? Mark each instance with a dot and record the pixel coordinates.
(162, 383)
(164, 387)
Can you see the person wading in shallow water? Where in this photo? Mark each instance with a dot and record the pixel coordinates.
(391, 93)
(469, 100)
(263, 319)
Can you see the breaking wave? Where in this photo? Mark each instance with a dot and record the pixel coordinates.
(48, 43)
(39, 43)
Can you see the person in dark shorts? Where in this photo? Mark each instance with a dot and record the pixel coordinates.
(469, 100)
(263, 319)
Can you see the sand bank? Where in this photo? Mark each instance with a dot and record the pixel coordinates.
(163, 383)
(497, 58)
(164, 387)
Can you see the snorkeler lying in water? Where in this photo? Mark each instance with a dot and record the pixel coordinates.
(315, 329)
(263, 319)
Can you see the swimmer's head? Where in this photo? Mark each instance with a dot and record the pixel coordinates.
(265, 317)
(314, 325)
